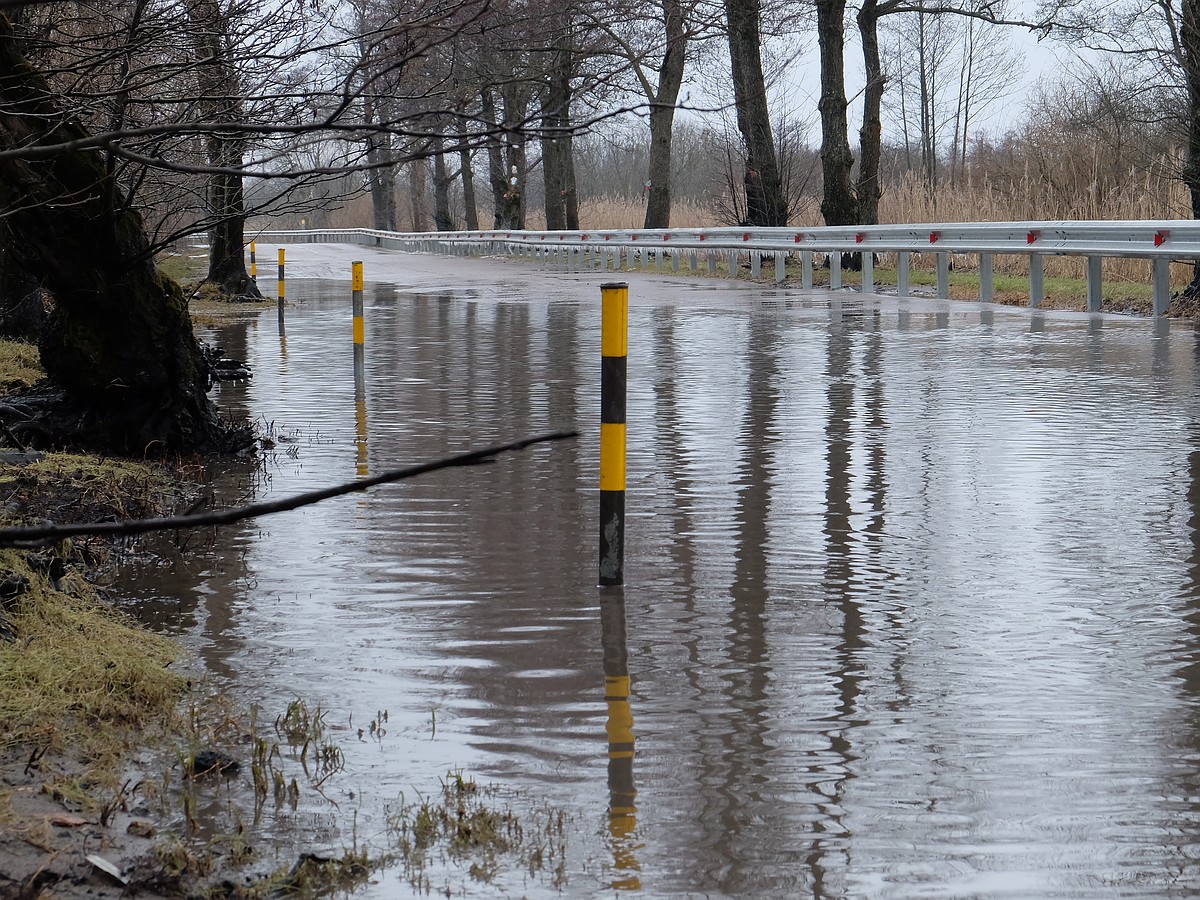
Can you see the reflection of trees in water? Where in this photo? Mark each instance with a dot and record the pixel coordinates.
(205, 572)
(468, 373)
(842, 576)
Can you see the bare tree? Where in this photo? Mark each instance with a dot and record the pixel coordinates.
(765, 201)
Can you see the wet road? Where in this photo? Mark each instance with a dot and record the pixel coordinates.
(912, 603)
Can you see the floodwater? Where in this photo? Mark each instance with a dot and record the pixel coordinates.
(912, 603)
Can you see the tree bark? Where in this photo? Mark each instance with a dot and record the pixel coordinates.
(662, 116)
(467, 174)
(442, 220)
(416, 190)
(515, 104)
(870, 136)
(221, 103)
(505, 180)
(1190, 40)
(381, 174)
(119, 341)
(839, 206)
(765, 201)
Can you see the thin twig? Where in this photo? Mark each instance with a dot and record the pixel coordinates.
(41, 535)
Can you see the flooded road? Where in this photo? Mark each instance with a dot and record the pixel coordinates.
(913, 590)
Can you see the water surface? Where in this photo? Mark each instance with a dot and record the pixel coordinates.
(911, 604)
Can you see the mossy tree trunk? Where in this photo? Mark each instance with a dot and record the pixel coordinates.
(119, 341)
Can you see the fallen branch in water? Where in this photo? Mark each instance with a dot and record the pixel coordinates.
(44, 534)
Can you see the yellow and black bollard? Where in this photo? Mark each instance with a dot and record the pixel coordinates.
(356, 291)
(614, 351)
(281, 279)
(253, 262)
(360, 370)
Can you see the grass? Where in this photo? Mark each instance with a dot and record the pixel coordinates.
(78, 675)
(20, 365)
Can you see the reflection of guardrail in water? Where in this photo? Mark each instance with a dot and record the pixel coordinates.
(1157, 241)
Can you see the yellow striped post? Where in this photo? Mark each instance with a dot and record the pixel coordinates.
(614, 351)
(356, 287)
(253, 262)
(360, 383)
(281, 279)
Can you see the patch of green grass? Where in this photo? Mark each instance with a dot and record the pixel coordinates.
(185, 267)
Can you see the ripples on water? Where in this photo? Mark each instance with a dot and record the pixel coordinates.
(911, 604)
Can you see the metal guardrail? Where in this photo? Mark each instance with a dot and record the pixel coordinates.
(1158, 241)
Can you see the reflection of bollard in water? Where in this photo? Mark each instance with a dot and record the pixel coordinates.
(614, 349)
(622, 792)
(360, 412)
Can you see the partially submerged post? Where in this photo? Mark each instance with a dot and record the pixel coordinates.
(282, 292)
(614, 351)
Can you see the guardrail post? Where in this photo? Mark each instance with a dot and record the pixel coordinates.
(712, 262)
(943, 275)
(733, 264)
(674, 260)
(986, 289)
(1037, 281)
(835, 270)
(694, 261)
(806, 269)
(1162, 285)
(902, 267)
(868, 272)
(780, 268)
(614, 352)
(631, 258)
(755, 263)
(1095, 285)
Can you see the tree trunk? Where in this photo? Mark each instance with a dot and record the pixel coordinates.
(870, 136)
(497, 176)
(467, 173)
(552, 174)
(839, 206)
(119, 341)
(381, 174)
(765, 202)
(558, 163)
(1190, 39)
(23, 311)
(442, 220)
(220, 103)
(515, 104)
(416, 190)
(506, 165)
(662, 116)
